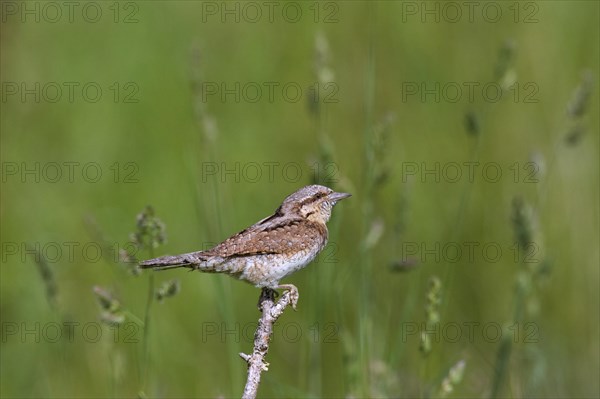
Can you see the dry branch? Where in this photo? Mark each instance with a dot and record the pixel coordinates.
(271, 311)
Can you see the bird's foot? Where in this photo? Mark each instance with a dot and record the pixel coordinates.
(294, 295)
(267, 294)
(270, 294)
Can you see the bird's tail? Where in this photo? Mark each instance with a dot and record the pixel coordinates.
(192, 260)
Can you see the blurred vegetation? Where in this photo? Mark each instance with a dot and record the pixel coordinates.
(380, 310)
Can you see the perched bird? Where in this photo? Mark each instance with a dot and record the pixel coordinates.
(270, 249)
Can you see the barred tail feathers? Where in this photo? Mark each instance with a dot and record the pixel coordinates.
(192, 260)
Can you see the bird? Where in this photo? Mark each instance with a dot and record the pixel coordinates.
(272, 248)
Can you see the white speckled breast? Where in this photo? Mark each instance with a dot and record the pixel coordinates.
(268, 270)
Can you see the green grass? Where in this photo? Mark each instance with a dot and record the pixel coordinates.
(353, 332)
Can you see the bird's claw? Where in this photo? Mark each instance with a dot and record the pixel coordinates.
(270, 294)
(293, 293)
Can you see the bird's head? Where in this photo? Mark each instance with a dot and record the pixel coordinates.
(313, 202)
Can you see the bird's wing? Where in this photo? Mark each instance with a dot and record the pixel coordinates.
(276, 237)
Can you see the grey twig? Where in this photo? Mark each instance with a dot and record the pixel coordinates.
(271, 311)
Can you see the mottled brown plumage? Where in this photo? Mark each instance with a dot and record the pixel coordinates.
(271, 249)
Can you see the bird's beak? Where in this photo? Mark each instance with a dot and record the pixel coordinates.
(335, 197)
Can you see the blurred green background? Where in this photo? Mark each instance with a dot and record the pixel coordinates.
(165, 111)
